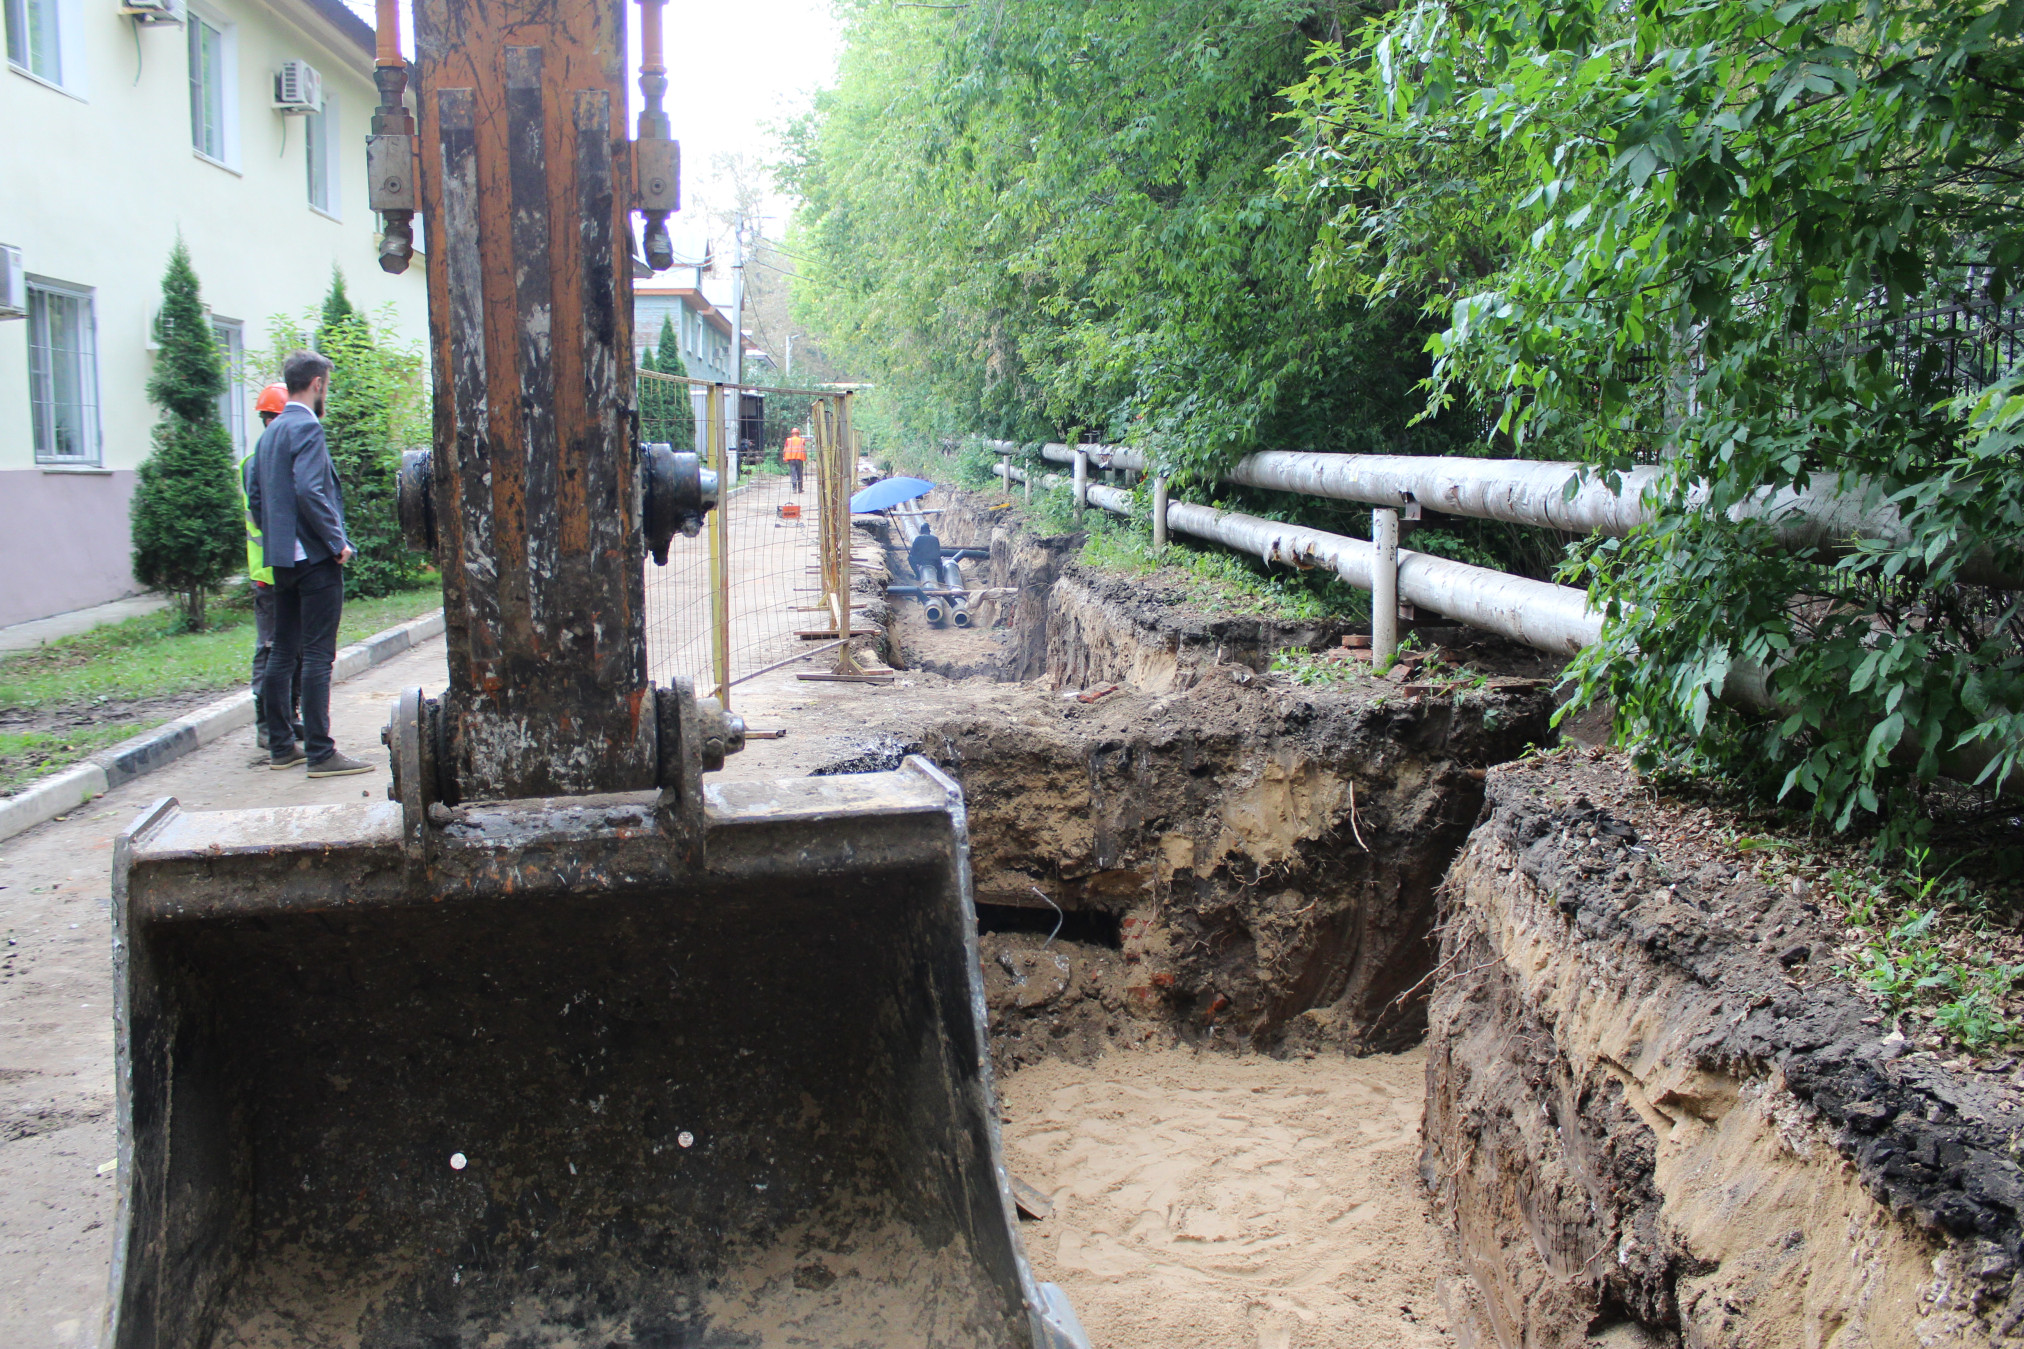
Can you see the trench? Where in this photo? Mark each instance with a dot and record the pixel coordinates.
(1332, 1013)
(1207, 910)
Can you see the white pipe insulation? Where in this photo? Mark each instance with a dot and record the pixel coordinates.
(1554, 618)
(1534, 492)
(1116, 500)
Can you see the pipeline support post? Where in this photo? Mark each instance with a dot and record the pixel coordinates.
(1081, 479)
(1384, 585)
(720, 552)
(1159, 513)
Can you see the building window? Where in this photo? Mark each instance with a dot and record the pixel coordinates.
(322, 156)
(62, 373)
(231, 335)
(32, 39)
(42, 41)
(208, 79)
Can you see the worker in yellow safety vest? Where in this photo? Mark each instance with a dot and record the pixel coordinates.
(273, 398)
(794, 454)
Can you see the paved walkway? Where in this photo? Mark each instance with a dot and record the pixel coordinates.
(21, 636)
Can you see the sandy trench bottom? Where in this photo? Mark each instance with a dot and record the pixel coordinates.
(1211, 1201)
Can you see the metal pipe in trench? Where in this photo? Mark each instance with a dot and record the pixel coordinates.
(959, 603)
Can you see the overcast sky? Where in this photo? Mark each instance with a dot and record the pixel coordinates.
(732, 70)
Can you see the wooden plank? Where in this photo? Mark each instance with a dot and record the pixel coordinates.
(830, 633)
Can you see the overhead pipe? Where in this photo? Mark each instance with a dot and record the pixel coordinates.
(1535, 492)
(1116, 500)
(1553, 618)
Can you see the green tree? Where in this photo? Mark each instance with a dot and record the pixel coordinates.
(375, 410)
(1715, 237)
(188, 531)
(665, 409)
(338, 313)
(1023, 219)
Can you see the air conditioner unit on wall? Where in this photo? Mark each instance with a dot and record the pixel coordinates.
(297, 88)
(153, 11)
(13, 284)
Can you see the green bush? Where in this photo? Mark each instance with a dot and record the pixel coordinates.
(188, 531)
(375, 411)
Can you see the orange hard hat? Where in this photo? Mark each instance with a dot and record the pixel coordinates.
(273, 398)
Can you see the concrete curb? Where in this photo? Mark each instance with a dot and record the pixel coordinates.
(122, 763)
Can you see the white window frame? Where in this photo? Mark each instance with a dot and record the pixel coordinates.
(231, 336)
(196, 21)
(42, 399)
(65, 71)
(321, 140)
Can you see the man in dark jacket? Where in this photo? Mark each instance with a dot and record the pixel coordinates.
(295, 497)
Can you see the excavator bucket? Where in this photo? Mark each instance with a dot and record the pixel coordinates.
(555, 1048)
(574, 1091)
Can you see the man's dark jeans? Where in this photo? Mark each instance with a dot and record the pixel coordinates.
(308, 601)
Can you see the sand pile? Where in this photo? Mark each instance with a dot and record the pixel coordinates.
(1207, 1201)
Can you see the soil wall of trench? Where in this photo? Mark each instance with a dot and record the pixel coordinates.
(1656, 1115)
(1232, 858)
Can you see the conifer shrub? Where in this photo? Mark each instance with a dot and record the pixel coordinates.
(188, 532)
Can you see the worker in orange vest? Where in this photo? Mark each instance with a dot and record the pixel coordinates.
(795, 455)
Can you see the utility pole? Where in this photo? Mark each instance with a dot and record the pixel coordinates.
(733, 414)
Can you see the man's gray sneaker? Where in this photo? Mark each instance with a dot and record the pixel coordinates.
(338, 766)
(287, 758)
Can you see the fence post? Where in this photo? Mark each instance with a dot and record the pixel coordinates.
(1384, 585)
(1031, 473)
(1159, 513)
(843, 459)
(720, 549)
(1081, 478)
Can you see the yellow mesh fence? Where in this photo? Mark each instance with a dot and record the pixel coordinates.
(768, 578)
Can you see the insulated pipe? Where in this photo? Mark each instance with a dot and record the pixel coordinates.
(1160, 513)
(1384, 584)
(1081, 481)
(1534, 492)
(1553, 618)
(959, 603)
(1116, 500)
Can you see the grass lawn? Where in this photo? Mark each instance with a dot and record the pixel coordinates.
(146, 658)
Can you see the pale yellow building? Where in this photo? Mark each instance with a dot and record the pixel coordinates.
(121, 129)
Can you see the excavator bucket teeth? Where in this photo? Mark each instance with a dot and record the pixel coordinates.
(641, 1102)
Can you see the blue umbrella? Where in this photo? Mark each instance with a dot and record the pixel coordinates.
(889, 492)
